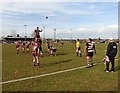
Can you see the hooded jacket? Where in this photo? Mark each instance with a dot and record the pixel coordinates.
(111, 49)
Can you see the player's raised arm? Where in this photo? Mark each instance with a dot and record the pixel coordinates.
(40, 30)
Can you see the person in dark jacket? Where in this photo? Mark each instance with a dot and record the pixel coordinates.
(111, 53)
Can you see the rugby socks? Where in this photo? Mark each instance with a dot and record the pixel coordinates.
(88, 62)
(38, 64)
(80, 54)
(91, 62)
(33, 61)
(77, 53)
(38, 61)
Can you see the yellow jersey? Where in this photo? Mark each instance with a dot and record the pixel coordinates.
(77, 44)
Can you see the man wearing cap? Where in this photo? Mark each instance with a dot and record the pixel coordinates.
(111, 53)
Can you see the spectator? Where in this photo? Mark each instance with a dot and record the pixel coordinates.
(111, 53)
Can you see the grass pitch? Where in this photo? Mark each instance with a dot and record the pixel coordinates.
(17, 66)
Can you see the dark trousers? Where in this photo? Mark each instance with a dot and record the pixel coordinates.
(111, 58)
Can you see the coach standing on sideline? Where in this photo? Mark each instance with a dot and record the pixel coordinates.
(111, 53)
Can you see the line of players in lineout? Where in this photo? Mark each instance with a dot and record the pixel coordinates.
(36, 47)
(89, 50)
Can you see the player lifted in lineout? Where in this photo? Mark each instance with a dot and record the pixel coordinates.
(36, 47)
(37, 35)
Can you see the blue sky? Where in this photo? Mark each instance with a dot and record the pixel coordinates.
(86, 19)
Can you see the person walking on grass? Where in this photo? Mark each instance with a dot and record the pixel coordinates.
(89, 51)
(111, 53)
(78, 47)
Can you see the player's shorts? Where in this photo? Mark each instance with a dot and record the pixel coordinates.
(90, 54)
(34, 53)
(54, 50)
(48, 47)
(38, 36)
(78, 48)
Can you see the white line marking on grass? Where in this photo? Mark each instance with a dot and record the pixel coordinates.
(53, 73)
(43, 75)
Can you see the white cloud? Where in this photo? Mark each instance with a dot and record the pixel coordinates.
(15, 10)
(29, 8)
(109, 31)
(50, 9)
(85, 32)
(105, 31)
(83, 29)
(111, 28)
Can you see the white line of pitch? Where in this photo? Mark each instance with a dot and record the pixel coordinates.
(10, 81)
(38, 76)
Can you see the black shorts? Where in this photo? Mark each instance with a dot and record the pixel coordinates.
(54, 50)
(90, 54)
(38, 36)
(48, 47)
(78, 48)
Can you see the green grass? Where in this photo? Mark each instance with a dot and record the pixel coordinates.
(15, 66)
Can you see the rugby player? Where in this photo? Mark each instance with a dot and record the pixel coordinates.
(89, 50)
(17, 46)
(48, 45)
(36, 54)
(78, 48)
(36, 32)
(53, 51)
(27, 46)
(23, 47)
